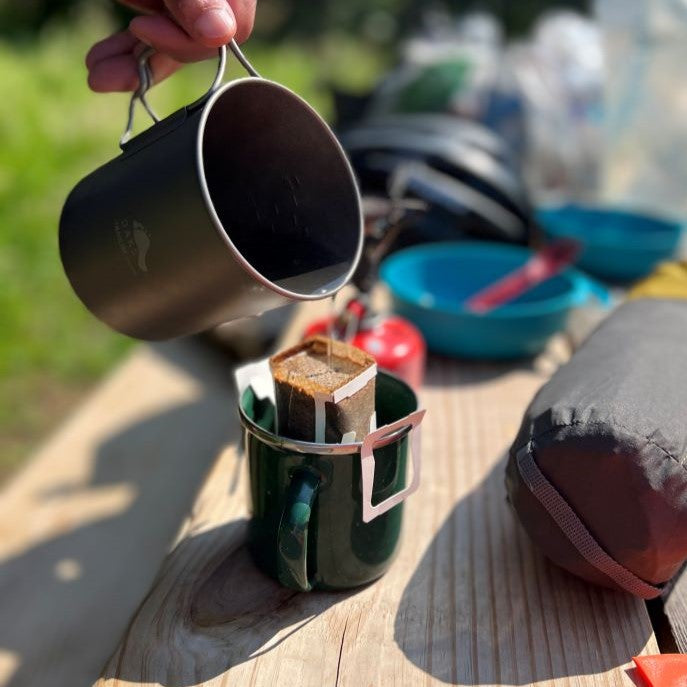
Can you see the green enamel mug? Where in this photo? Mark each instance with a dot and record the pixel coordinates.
(328, 516)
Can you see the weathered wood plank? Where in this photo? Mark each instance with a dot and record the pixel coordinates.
(84, 527)
(468, 600)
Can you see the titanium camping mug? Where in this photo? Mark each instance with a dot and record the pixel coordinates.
(241, 202)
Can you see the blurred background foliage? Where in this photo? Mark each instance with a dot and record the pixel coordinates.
(379, 21)
(54, 131)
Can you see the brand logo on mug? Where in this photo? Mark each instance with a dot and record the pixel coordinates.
(133, 240)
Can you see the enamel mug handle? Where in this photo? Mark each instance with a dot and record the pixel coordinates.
(367, 461)
(292, 539)
(145, 78)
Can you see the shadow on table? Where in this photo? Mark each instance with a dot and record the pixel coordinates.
(65, 601)
(543, 623)
(203, 619)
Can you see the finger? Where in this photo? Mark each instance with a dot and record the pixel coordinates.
(210, 22)
(244, 12)
(163, 34)
(117, 44)
(120, 72)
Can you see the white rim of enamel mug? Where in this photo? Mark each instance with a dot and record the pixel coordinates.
(299, 446)
(293, 295)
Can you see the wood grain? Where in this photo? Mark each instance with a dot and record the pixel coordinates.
(84, 527)
(468, 600)
(675, 608)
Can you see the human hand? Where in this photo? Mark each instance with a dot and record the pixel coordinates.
(179, 30)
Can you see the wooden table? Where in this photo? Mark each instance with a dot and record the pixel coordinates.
(85, 525)
(468, 600)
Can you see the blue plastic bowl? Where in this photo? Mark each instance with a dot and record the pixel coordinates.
(618, 245)
(430, 283)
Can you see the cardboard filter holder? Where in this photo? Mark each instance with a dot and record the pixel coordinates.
(324, 393)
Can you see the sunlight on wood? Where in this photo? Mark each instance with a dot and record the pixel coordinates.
(467, 601)
(9, 662)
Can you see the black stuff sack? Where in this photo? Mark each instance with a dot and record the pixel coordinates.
(597, 473)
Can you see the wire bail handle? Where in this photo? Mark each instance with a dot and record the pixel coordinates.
(145, 77)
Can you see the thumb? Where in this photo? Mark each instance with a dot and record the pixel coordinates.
(210, 22)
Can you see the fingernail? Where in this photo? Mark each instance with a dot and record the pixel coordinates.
(215, 24)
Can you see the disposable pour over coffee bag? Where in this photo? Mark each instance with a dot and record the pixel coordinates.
(325, 391)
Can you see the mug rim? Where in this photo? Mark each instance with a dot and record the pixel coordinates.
(219, 228)
(300, 446)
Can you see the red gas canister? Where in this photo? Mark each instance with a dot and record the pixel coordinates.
(395, 343)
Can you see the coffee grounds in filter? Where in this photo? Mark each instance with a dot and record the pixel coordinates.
(324, 390)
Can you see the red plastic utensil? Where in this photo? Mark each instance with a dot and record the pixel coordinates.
(543, 265)
(664, 670)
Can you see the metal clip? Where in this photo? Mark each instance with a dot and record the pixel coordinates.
(145, 81)
(145, 77)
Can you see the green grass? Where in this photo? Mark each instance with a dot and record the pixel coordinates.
(53, 132)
